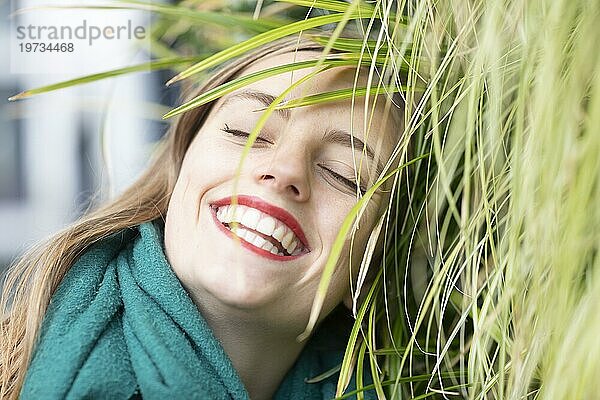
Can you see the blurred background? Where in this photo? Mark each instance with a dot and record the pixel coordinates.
(60, 152)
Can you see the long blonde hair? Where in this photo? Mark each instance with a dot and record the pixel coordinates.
(33, 279)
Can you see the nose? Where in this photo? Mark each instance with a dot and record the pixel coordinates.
(287, 173)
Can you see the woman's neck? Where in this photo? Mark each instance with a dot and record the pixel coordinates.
(261, 354)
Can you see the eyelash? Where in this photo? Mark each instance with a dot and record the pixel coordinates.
(340, 178)
(239, 133)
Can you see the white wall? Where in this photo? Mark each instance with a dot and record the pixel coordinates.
(52, 126)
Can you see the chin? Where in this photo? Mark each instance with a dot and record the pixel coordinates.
(240, 291)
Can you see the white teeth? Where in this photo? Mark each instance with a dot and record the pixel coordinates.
(224, 214)
(292, 247)
(238, 213)
(254, 219)
(240, 232)
(258, 241)
(268, 246)
(287, 239)
(250, 218)
(249, 237)
(266, 225)
(279, 232)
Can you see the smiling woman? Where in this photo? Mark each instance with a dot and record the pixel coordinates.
(209, 302)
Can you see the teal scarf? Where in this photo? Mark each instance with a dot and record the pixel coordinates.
(121, 325)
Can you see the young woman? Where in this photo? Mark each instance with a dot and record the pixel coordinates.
(197, 281)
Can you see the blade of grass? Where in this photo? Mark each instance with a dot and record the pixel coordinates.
(221, 18)
(178, 12)
(360, 371)
(437, 393)
(405, 379)
(259, 40)
(336, 95)
(372, 358)
(324, 375)
(333, 5)
(350, 351)
(334, 61)
(348, 44)
(147, 66)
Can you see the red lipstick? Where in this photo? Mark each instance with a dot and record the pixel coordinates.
(274, 211)
(277, 212)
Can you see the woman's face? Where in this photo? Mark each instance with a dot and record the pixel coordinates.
(295, 189)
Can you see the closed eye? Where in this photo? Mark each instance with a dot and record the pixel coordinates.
(343, 180)
(243, 134)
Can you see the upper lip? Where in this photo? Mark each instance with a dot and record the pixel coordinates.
(267, 208)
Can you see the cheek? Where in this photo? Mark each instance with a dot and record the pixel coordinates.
(207, 164)
(206, 158)
(332, 215)
(203, 168)
(331, 209)
(331, 220)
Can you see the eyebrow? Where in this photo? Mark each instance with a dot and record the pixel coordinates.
(337, 136)
(261, 97)
(343, 138)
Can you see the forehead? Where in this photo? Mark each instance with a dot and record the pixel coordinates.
(332, 79)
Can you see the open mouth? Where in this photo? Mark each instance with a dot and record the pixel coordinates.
(264, 227)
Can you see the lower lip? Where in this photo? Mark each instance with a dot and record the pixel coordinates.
(250, 246)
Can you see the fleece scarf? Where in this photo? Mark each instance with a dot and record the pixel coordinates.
(121, 326)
